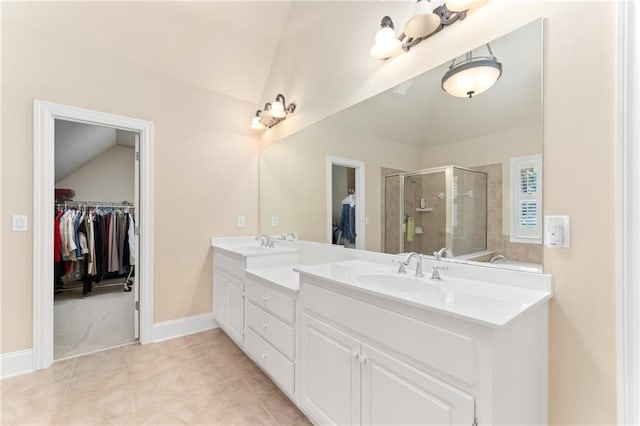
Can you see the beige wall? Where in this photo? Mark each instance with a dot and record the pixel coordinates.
(205, 158)
(108, 177)
(579, 134)
(293, 179)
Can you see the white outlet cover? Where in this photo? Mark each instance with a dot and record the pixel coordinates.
(274, 221)
(241, 222)
(19, 223)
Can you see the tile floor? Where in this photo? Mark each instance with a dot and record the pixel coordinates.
(201, 379)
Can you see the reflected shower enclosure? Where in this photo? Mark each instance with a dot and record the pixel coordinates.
(434, 208)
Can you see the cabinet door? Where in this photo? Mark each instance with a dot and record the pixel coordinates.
(394, 392)
(235, 309)
(330, 373)
(220, 296)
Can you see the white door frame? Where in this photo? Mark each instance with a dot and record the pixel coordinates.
(360, 199)
(44, 116)
(628, 215)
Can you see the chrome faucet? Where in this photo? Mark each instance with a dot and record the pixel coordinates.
(290, 234)
(435, 274)
(498, 259)
(265, 240)
(418, 257)
(402, 266)
(443, 251)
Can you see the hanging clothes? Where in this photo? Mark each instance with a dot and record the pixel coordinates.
(347, 226)
(88, 245)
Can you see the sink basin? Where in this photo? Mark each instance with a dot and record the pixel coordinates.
(391, 282)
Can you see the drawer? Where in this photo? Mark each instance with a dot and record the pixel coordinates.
(446, 350)
(271, 301)
(229, 264)
(272, 362)
(271, 329)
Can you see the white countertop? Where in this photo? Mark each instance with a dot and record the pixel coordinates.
(493, 305)
(284, 275)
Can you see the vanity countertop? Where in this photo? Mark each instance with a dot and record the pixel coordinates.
(493, 305)
(284, 275)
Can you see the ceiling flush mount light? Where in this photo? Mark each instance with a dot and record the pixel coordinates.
(472, 75)
(273, 113)
(430, 17)
(386, 42)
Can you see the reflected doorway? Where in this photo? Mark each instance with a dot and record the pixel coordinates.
(345, 202)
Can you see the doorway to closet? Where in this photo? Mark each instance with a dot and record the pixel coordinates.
(95, 284)
(44, 206)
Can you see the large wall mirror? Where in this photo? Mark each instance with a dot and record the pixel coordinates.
(439, 171)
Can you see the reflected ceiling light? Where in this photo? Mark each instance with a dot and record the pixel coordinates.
(272, 113)
(386, 42)
(430, 17)
(472, 76)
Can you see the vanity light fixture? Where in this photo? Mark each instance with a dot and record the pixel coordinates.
(386, 42)
(430, 17)
(273, 113)
(472, 75)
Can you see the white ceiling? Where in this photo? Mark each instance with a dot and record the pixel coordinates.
(77, 144)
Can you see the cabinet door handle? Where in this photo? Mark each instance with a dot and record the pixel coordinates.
(265, 299)
(264, 326)
(355, 355)
(264, 356)
(363, 359)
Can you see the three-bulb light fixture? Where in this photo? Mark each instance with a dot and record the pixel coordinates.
(467, 78)
(273, 113)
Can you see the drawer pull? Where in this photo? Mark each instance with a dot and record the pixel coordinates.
(265, 299)
(355, 355)
(265, 356)
(264, 326)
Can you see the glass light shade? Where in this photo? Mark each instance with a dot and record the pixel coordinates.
(422, 25)
(472, 78)
(256, 124)
(386, 43)
(277, 110)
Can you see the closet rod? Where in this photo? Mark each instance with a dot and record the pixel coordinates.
(73, 203)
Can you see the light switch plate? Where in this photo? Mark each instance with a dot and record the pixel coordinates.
(19, 223)
(274, 221)
(557, 231)
(241, 222)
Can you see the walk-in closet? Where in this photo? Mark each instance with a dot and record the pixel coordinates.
(95, 241)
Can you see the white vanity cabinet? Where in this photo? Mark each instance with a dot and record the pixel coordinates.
(230, 263)
(270, 313)
(228, 295)
(367, 360)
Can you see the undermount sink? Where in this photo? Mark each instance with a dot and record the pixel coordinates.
(396, 283)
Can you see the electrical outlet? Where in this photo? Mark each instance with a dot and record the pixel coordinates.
(20, 223)
(241, 222)
(274, 221)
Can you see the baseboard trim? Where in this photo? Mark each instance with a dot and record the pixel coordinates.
(166, 330)
(16, 363)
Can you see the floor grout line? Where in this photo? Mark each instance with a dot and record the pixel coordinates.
(66, 393)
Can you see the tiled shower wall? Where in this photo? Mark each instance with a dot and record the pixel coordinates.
(434, 235)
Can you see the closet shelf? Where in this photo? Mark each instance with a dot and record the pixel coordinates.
(428, 209)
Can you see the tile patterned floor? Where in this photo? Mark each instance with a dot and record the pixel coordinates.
(201, 379)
